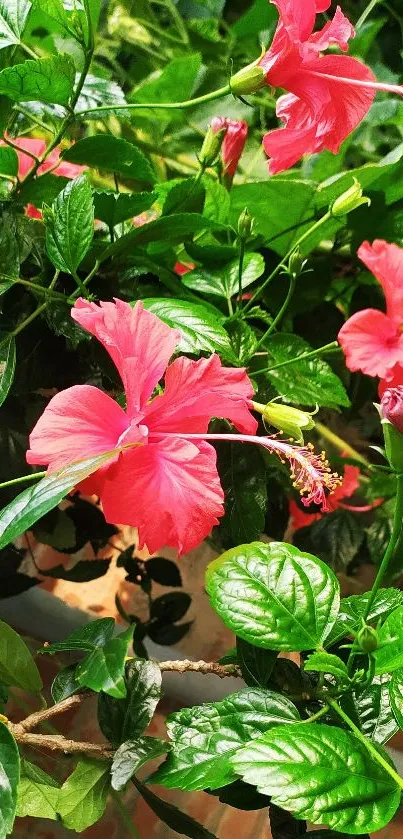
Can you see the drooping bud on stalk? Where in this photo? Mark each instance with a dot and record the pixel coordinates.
(349, 200)
(211, 146)
(296, 263)
(291, 421)
(367, 639)
(236, 132)
(391, 410)
(248, 80)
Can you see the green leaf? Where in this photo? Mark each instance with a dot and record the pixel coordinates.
(65, 684)
(17, 666)
(389, 656)
(87, 638)
(217, 203)
(9, 778)
(174, 83)
(70, 228)
(224, 282)
(8, 156)
(113, 207)
(98, 91)
(201, 327)
(175, 229)
(370, 709)
(243, 340)
(323, 774)
(244, 480)
(82, 798)
(7, 367)
(258, 18)
(279, 207)
(336, 538)
(37, 500)
(43, 190)
(48, 80)
(322, 662)
(256, 664)
(187, 196)
(396, 696)
(274, 596)
(204, 738)
(111, 154)
(353, 608)
(126, 719)
(13, 17)
(308, 382)
(172, 816)
(37, 793)
(133, 754)
(103, 668)
(241, 796)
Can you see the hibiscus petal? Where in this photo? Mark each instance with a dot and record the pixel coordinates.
(195, 391)
(386, 263)
(393, 378)
(349, 485)
(371, 343)
(299, 518)
(139, 343)
(337, 31)
(285, 146)
(169, 490)
(79, 422)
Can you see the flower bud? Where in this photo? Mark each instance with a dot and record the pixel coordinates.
(392, 406)
(296, 263)
(393, 445)
(367, 639)
(291, 421)
(211, 146)
(236, 132)
(248, 80)
(245, 225)
(349, 200)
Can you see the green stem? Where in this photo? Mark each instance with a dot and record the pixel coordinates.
(280, 265)
(52, 295)
(188, 103)
(394, 538)
(316, 716)
(20, 150)
(30, 317)
(28, 51)
(124, 814)
(320, 351)
(367, 743)
(366, 13)
(280, 313)
(79, 283)
(240, 271)
(34, 477)
(340, 444)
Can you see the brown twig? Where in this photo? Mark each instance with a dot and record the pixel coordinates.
(38, 717)
(205, 667)
(59, 743)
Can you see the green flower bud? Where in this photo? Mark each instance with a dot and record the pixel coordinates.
(211, 146)
(245, 225)
(349, 200)
(248, 80)
(367, 639)
(393, 445)
(291, 421)
(296, 263)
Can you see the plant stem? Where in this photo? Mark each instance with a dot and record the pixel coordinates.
(40, 289)
(332, 347)
(340, 444)
(280, 265)
(366, 13)
(205, 667)
(28, 50)
(316, 716)
(367, 743)
(394, 538)
(30, 317)
(124, 814)
(187, 103)
(240, 270)
(33, 477)
(280, 313)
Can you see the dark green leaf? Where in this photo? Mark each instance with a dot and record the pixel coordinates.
(201, 327)
(204, 738)
(244, 480)
(321, 662)
(103, 668)
(7, 367)
(322, 774)
(167, 634)
(172, 816)
(279, 207)
(38, 793)
(256, 664)
(17, 667)
(82, 798)
(8, 156)
(163, 571)
(217, 201)
(48, 80)
(336, 537)
(65, 684)
(175, 229)
(243, 340)
(396, 696)
(82, 572)
(170, 607)
(115, 207)
(87, 638)
(352, 610)
(389, 655)
(224, 282)
(133, 754)
(112, 154)
(10, 775)
(13, 17)
(43, 190)
(241, 796)
(274, 596)
(370, 709)
(187, 196)
(37, 500)
(70, 228)
(308, 382)
(126, 719)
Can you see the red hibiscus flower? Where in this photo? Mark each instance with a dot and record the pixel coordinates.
(348, 486)
(165, 482)
(236, 132)
(371, 340)
(328, 94)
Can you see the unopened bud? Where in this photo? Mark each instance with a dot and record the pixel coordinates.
(296, 263)
(367, 639)
(392, 406)
(47, 213)
(393, 445)
(248, 80)
(211, 146)
(349, 200)
(291, 421)
(245, 225)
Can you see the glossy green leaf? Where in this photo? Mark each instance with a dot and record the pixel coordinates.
(8, 156)
(112, 154)
(174, 83)
(321, 662)
(126, 719)
(389, 655)
(87, 638)
(322, 774)
(256, 664)
(201, 327)
(186, 196)
(308, 382)
(37, 793)
(65, 684)
(336, 538)
(224, 282)
(370, 709)
(99, 91)
(82, 798)
(172, 816)
(175, 229)
(13, 17)
(10, 775)
(113, 207)
(204, 738)
(103, 668)
(49, 80)
(70, 227)
(396, 696)
(17, 666)
(274, 596)
(7, 367)
(133, 754)
(244, 480)
(38, 499)
(353, 608)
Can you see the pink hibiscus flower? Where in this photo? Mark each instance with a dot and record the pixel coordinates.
(26, 162)
(236, 132)
(165, 482)
(371, 340)
(328, 94)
